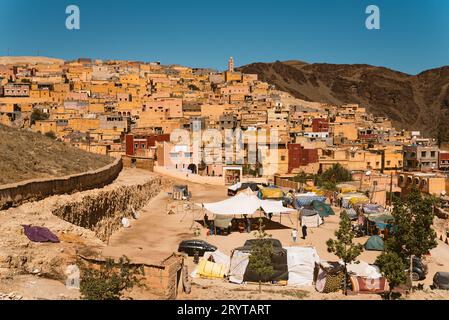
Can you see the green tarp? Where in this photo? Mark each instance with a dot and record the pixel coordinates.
(323, 209)
(375, 243)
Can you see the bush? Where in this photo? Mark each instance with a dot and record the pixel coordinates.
(110, 281)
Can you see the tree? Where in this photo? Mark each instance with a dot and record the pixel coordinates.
(393, 268)
(260, 259)
(37, 115)
(301, 178)
(110, 281)
(343, 247)
(413, 234)
(337, 173)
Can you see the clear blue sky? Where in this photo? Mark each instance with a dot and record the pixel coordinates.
(414, 34)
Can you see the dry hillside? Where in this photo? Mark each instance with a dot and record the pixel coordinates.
(418, 102)
(26, 155)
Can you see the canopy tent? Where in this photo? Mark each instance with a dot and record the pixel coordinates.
(323, 209)
(270, 193)
(301, 265)
(362, 199)
(245, 205)
(375, 243)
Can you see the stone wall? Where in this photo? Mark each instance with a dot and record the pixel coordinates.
(102, 211)
(33, 190)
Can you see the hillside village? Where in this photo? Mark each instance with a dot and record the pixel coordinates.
(212, 131)
(129, 109)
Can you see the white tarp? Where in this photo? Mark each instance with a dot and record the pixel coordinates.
(311, 221)
(239, 262)
(274, 207)
(364, 269)
(240, 204)
(301, 265)
(246, 204)
(235, 187)
(219, 257)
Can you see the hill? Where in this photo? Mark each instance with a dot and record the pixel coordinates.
(27, 155)
(29, 60)
(418, 102)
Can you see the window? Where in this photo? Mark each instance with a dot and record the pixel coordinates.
(282, 158)
(136, 146)
(388, 163)
(432, 154)
(423, 154)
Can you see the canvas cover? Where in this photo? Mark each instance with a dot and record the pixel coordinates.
(301, 265)
(218, 257)
(324, 210)
(375, 243)
(364, 269)
(373, 208)
(306, 199)
(239, 262)
(211, 270)
(270, 193)
(311, 221)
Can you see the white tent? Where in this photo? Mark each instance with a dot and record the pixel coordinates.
(246, 205)
(240, 204)
(301, 265)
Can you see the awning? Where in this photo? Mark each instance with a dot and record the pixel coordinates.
(246, 205)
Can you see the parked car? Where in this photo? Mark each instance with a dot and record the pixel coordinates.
(190, 246)
(419, 270)
(441, 280)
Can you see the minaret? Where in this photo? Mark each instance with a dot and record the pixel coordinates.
(231, 64)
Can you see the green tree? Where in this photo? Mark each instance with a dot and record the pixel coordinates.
(37, 115)
(343, 247)
(260, 259)
(413, 234)
(393, 268)
(301, 178)
(109, 281)
(337, 173)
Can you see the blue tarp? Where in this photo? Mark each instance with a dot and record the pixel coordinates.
(307, 200)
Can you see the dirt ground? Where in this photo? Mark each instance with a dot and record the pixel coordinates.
(156, 234)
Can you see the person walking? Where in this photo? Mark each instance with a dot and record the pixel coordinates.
(304, 232)
(294, 234)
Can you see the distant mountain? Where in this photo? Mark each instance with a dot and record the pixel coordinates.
(29, 60)
(418, 102)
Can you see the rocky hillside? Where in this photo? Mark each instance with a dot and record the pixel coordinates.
(26, 155)
(418, 102)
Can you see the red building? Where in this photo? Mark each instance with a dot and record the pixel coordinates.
(298, 156)
(320, 125)
(136, 145)
(443, 160)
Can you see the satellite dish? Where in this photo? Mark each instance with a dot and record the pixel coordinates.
(368, 173)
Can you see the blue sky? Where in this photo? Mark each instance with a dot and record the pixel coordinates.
(414, 34)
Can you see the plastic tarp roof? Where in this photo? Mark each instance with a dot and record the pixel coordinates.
(373, 208)
(323, 209)
(271, 193)
(306, 199)
(239, 262)
(363, 269)
(375, 243)
(240, 204)
(246, 204)
(301, 265)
